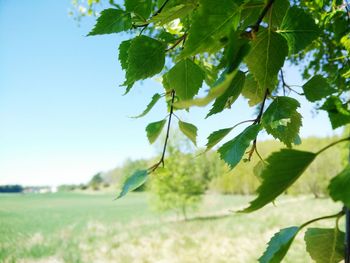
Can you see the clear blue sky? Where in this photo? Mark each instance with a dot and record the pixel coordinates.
(62, 116)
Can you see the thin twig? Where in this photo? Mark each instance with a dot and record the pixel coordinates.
(258, 118)
(145, 25)
(257, 121)
(162, 158)
(255, 27)
(161, 8)
(285, 85)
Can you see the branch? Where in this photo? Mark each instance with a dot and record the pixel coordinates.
(156, 13)
(162, 158)
(161, 8)
(255, 27)
(257, 121)
(285, 85)
(258, 118)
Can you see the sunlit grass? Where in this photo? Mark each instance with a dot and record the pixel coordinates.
(94, 228)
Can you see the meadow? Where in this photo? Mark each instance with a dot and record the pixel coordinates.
(73, 227)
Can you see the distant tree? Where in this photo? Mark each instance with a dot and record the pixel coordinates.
(96, 181)
(180, 185)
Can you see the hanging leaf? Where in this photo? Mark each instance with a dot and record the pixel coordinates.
(154, 129)
(339, 187)
(317, 88)
(141, 8)
(276, 13)
(281, 119)
(214, 92)
(338, 112)
(189, 130)
(266, 58)
(211, 22)
(252, 91)
(153, 102)
(279, 245)
(233, 151)
(123, 53)
(186, 78)
(137, 179)
(172, 13)
(299, 29)
(230, 95)
(111, 21)
(146, 57)
(325, 245)
(215, 137)
(282, 170)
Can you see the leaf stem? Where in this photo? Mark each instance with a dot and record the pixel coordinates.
(337, 215)
(332, 144)
(178, 41)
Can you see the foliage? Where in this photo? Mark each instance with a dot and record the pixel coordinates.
(180, 185)
(96, 181)
(235, 37)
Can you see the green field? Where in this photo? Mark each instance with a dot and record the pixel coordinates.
(94, 228)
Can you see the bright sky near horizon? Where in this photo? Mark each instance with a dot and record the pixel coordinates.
(62, 113)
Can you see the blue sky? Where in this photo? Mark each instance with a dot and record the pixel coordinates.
(62, 113)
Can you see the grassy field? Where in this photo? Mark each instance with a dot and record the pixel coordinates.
(94, 228)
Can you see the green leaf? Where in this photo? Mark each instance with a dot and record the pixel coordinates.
(279, 245)
(233, 151)
(211, 22)
(111, 21)
(339, 187)
(123, 53)
(186, 78)
(281, 119)
(230, 95)
(283, 169)
(154, 129)
(145, 59)
(137, 179)
(153, 102)
(123, 58)
(214, 92)
(235, 51)
(325, 245)
(142, 8)
(251, 10)
(172, 13)
(276, 13)
(216, 136)
(317, 88)
(338, 112)
(266, 58)
(252, 91)
(299, 29)
(189, 130)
